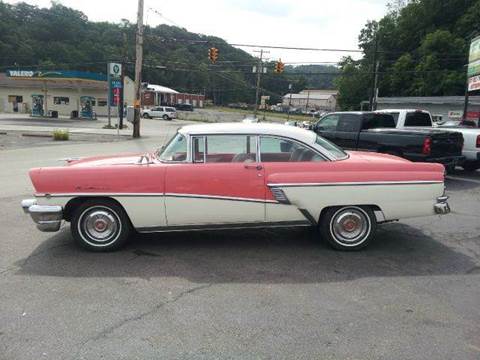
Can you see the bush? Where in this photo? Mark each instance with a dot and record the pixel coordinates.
(60, 135)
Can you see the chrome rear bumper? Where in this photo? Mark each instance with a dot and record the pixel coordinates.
(47, 217)
(442, 207)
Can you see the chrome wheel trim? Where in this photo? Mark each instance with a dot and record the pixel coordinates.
(350, 226)
(99, 226)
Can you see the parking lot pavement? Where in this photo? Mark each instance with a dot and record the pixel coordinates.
(413, 294)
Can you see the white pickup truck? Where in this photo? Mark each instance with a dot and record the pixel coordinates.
(408, 118)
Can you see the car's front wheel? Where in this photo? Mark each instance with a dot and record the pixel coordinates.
(348, 227)
(146, 116)
(100, 225)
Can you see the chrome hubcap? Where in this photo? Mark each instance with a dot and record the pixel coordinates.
(100, 225)
(350, 226)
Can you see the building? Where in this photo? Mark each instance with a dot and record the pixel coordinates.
(323, 100)
(442, 108)
(64, 91)
(157, 95)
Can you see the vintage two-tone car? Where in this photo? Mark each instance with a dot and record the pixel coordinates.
(222, 176)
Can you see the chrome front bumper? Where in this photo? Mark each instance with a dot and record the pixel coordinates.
(442, 207)
(47, 217)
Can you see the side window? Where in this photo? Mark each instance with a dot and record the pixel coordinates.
(349, 123)
(274, 149)
(375, 121)
(328, 123)
(225, 148)
(418, 118)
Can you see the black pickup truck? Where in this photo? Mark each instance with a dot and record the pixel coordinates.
(371, 131)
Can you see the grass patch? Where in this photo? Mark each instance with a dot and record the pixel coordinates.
(61, 135)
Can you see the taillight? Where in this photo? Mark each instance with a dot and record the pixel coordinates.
(427, 146)
(478, 141)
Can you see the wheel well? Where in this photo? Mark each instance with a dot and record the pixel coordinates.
(74, 203)
(372, 207)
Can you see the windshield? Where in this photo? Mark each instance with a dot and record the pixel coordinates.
(333, 149)
(176, 149)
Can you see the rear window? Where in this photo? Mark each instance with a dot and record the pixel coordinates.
(418, 118)
(170, 109)
(375, 121)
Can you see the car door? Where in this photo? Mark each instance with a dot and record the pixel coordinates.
(348, 128)
(157, 112)
(222, 184)
(327, 126)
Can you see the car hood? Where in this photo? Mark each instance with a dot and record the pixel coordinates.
(94, 161)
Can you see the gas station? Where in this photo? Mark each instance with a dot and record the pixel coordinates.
(53, 93)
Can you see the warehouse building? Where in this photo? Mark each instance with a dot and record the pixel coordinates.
(442, 108)
(41, 93)
(323, 100)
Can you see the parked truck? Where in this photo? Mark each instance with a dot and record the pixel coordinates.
(374, 131)
(409, 118)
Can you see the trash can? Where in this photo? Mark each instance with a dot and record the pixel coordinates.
(74, 114)
(54, 114)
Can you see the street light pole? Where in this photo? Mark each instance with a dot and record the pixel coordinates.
(259, 74)
(138, 69)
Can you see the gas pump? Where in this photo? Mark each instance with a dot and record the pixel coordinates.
(86, 107)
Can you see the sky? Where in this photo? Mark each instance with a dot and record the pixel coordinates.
(294, 23)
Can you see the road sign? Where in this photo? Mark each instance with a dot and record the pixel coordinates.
(474, 83)
(115, 70)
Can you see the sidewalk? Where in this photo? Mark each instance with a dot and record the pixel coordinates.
(25, 123)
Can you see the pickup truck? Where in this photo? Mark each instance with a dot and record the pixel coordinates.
(372, 131)
(408, 119)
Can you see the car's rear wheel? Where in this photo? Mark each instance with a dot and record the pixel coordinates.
(165, 117)
(348, 228)
(146, 116)
(100, 225)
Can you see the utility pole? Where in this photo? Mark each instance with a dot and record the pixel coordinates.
(289, 101)
(138, 69)
(259, 75)
(375, 87)
(372, 95)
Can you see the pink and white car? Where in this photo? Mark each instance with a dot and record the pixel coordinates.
(223, 176)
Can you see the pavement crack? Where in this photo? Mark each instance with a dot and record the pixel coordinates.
(111, 329)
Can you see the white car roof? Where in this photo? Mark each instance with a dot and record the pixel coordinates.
(282, 130)
(400, 110)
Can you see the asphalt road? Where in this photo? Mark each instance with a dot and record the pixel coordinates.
(413, 294)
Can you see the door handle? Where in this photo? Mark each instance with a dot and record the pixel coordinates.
(253, 166)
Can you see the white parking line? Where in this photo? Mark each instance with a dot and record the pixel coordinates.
(458, 178)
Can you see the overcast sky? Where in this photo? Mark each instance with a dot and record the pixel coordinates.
(296, 23)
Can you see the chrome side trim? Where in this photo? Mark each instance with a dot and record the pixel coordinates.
(197, 196)
(280, 196)
(367, 183)
(258, 225)
(218, 197)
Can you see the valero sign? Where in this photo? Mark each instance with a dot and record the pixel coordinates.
(55, 75)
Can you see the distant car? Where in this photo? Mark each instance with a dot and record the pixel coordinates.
(250, 119)
(184, 107)
(164, 112)
(291, 123)
(230, 176)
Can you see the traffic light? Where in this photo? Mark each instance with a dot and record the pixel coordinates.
(213, 54)
(279, 66)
